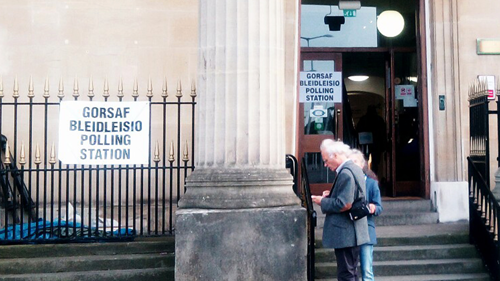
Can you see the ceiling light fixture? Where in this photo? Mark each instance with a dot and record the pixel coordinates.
(390, 23)
(349, 5)
(358, 78)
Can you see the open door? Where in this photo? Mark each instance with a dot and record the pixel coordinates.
(405, 125)
(319, 119)
(386, 116)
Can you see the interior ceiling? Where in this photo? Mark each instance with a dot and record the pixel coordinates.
(403, 6)
(371, 64)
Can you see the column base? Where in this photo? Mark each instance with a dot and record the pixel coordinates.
(223, 188)
(246, 244)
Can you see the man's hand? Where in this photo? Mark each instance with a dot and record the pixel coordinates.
(316, 199)
(347, 207)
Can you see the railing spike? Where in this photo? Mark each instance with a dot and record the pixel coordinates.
(193, 89)
(31, 90)
(37, 155)
(164, 90)
(52, 159)
(185, 156)
(157, 153)
(120, 88)
(135, 91)
(46, 93)
(61, 89)
(22, 156)
(16, 89)
(1, 87)
(171, 157)
(91, 88)
(76, 88)
(7, 153)
(106, 88)
(179, 89)
(150, 88)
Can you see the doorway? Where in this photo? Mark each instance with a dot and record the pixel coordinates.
(379, 116)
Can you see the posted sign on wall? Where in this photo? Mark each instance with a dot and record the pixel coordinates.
(320, 86)
(104, 133)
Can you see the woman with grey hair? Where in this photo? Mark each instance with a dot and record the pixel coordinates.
(375, 204)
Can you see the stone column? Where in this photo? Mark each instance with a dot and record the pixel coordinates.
(239, 219)
(448, 124)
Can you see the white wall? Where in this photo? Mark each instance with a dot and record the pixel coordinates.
(451, 200)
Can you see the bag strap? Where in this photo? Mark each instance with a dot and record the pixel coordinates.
(358, 187)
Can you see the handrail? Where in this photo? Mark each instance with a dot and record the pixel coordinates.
(484, 223)
(306, 199)
(304, 193)
(292, 164)
(481, 178)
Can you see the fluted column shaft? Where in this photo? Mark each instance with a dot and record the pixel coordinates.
(241, 82)
(240, 157)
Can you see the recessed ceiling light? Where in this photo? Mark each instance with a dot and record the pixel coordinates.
(413, 79)
(357, 78)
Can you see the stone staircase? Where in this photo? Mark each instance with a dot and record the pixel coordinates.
(412, 245)
(144, 259)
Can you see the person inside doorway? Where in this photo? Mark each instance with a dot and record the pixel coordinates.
(371, 133)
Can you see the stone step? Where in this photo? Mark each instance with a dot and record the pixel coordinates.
(144, 246)
(436, 277)
(411, 267)
(396, 205)
(407, 235)
(424, 240)
(147, 274)
(85, 263)
(388, 218)
(398, 212)
(409, 252)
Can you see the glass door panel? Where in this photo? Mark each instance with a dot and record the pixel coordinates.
(318, 120)
(406, 125)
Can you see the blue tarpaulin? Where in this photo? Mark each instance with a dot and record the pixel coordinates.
(57, 230)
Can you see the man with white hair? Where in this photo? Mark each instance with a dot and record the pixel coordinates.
(339, 231)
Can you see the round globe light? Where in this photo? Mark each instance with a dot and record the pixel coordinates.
(390, 23)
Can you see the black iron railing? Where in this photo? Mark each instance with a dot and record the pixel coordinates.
(293, 166)
(483, 206)
(44, 200)
(307, 203)
(479, 135)
(484, 219)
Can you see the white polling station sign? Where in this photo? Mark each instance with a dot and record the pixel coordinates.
(320, 87)
(104, 133)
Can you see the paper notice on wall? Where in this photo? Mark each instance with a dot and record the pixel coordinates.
(407, 94)
(489, 80)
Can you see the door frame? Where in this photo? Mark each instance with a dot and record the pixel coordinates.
(311, 143)
(308, 52)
